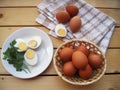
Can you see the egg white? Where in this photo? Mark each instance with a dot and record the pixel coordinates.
(58, 27)
(37, 39)
(32, 61)
(18, 41)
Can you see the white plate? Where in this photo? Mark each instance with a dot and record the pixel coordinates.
(45, 52)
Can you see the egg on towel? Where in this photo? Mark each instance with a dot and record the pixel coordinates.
(62, 16)
(75, 24)
(60, 30)
(30, 57)
(34, 42)
(21, 45)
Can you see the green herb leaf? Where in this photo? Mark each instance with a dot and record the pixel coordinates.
(15, 58)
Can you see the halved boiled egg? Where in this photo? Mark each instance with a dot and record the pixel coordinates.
(60, 30)
(34, 42)
(21, 45)
(31, 57)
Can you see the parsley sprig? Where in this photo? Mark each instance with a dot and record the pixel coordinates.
(15, 58)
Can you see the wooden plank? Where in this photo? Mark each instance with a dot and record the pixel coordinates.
(113, 62)
(18, 16)
(12, 16)
(113, 13)
(11, 3)
(112, 57)
(107, 82)
(115, 42)
(95, 3)
(105, 3)
(10, 30)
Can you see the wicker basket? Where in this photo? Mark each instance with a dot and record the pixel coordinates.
(76, 80)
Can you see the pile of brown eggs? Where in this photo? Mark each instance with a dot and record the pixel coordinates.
(79, 61)
(70, 14)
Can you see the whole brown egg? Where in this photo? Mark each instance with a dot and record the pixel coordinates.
(75, 24)
(66, 54)
(62, 16)
(69, 69)
(86, 72)
(72, 9)
(83, 49)
(95, 60)
(79, 59)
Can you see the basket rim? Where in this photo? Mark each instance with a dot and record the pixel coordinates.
(78, 83)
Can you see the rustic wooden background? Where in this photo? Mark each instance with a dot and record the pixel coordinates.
(15, 14)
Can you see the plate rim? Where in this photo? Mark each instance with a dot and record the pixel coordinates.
(19, 30)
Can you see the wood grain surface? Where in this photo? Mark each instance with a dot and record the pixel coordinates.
(15, 14)
(107, 82)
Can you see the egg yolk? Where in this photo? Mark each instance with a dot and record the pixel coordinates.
(32, 43)
(61, 31)
(30, 54)
(22, 46)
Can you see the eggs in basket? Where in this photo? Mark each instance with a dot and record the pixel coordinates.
(79, 62)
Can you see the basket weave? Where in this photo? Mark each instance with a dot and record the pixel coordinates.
(76, 80)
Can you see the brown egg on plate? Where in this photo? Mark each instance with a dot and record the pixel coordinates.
(62, 16)
(66, 54)
(79, 59)
(72, 9)
(69, 68)
(86, 72)
(95, 60)
(75, 24)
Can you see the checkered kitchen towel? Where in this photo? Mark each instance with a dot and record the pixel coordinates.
(96, 26)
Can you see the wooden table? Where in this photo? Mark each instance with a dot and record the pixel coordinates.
(15, 14)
